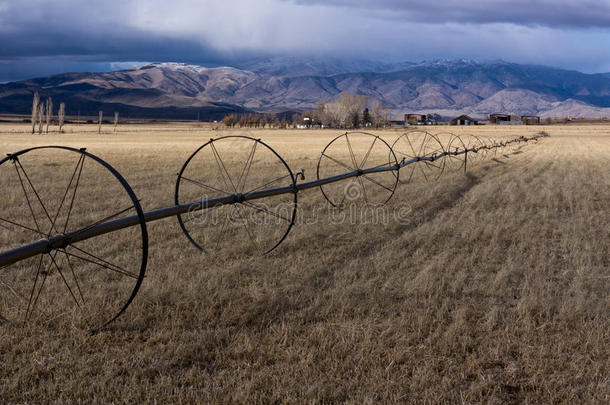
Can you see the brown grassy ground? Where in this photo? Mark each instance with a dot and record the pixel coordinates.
(493, 289)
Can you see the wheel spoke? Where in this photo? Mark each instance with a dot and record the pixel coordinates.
(80, 292)
(421, 169)
(44, 279)
(246, 169)
(267, 184)
(256, 247)
(34, 287)
(74, 194)
(410, 170)
(35, 191)
(102, 220)
(411, 146)
(421, 146)
(7, 228)
(201, 214)
(265, 210)
(403, 154)
(377, 183)
(366, 200)
(63, 199)
(368, 153)
(202, 185)
(100, 262)
(222, 167)
(64, 279)
(222, 234)
(351, 152)
(21, 226)
(27, 198)
(339, 163)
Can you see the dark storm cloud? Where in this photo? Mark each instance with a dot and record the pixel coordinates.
(69, 31)
(119, 45)
(548, 13)
(41, 38)
(38, 36)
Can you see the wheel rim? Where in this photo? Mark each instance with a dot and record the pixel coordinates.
(415, 144)
(473, 142)
(236, 165)
(455, 163)
(353, 151)
(90, 282)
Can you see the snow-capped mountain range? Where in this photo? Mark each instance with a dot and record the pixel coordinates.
(448, 87)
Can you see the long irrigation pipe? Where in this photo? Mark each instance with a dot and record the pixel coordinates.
(62, 240)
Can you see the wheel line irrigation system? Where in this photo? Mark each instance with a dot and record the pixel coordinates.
(425, 150)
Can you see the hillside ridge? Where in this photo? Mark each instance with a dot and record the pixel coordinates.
(447, 87)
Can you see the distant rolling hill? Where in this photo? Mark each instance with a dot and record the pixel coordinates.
(174, 90)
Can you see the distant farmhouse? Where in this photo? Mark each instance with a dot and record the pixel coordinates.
(504, 119)
(494, 118)
(499, 118)
(422, 119)
(463, 120)
(530, 119)
(306, 123)
(415, 119)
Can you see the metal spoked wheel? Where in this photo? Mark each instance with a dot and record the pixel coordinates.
(354, 151)
(59, 191)
(474, 142)
(455, 163)
(240, 166)
(415, 144)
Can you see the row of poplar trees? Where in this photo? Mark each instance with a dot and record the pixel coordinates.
(42, 113)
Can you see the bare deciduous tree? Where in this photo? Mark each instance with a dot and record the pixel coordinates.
(116, 120)
(99, 122)
(49, 116)
(343, 112)
(352, 105)
(61, 116)
(379, 114)
(230, 120)
(319, 114)
(331, 114)
(35, 102)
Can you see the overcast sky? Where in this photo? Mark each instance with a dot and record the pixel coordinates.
(40, 37)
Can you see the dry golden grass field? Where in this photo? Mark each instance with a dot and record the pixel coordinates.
(491, 286)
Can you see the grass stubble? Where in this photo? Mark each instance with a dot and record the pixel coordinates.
(495, 288)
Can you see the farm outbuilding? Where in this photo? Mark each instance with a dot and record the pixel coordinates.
(463, 120)
(530, 119)
(416, 119)
(497, 118)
